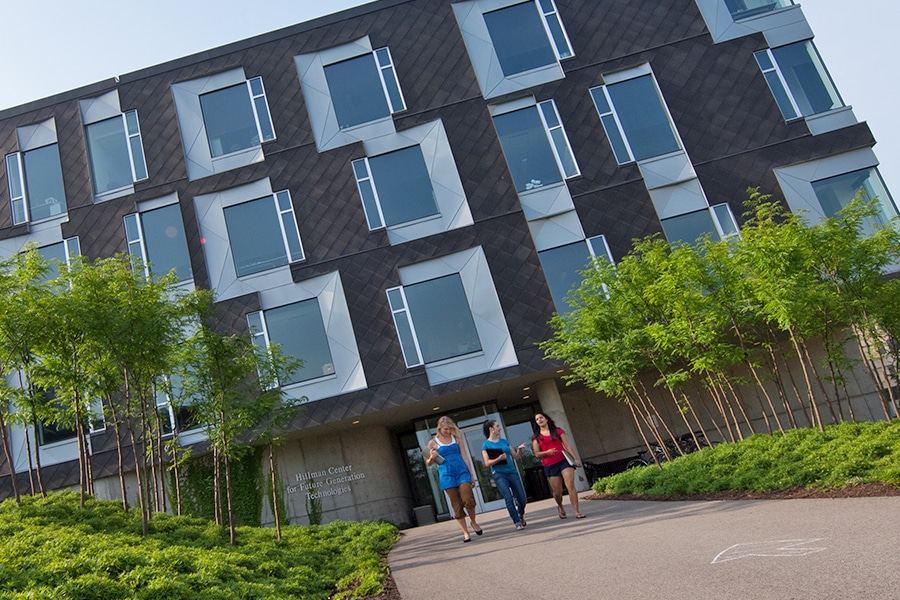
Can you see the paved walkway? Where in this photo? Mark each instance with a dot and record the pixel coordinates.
(840, 549)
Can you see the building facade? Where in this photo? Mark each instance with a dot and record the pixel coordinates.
(401, 194)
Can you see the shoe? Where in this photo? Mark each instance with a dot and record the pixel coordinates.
(479, 531)
(520, 527)
(468, 539)
(524, 524)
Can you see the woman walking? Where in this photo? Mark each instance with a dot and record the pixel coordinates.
(551, 446)
(498, 455)
(456, 474)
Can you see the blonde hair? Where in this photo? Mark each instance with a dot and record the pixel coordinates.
(446, 421)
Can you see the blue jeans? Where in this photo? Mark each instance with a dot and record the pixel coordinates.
(513, 492)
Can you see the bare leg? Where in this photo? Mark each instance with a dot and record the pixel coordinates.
(556, 486)
(463, 527)
(568, 476)
(468, 501)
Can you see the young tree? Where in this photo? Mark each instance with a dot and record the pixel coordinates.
(221, 385)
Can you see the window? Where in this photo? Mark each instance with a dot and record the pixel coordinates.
(157, 237)
(395, 187)
(836, 193)
(224, 120)
(798, 80)
(364, 88)
(563, 266)
(300, 331)
(535, 145)
(513, 45)
(52, 433)
(115, 152)
(172, 417)
(716, 222)
(59, 253)
(742, 9)
(433, 320)
(263, 234)
(35, 184)
(635, 119)
(237, 117)
(520, 37)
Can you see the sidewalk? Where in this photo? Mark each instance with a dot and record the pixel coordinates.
(840, 549)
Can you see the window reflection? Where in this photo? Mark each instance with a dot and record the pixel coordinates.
(442, 318)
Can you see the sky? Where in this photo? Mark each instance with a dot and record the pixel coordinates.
(86, 42)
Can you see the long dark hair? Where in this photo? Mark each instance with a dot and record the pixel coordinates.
(486, 427)
(554, 435)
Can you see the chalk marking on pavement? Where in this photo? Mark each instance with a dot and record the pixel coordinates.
(776, 548)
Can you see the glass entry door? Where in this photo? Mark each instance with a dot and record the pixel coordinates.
(487, 497)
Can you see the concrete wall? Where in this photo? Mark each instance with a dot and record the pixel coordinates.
(356, 475)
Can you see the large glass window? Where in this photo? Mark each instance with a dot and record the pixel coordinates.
(116, 153)
(635, 119)
(263, 234)
(742, 9)
(364, 88)
(236, 117)
(716, 222)
(562, 268)
(527, 36)
(35, 184)
(835, 193)
(60, 253)
(157, 237)
(535, 145)
(798, 80)
(434, 320)
(395, 187)
(299, 330)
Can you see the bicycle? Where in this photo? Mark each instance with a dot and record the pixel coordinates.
(643, 461)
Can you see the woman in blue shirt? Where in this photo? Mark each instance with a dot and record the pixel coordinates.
(500, 458)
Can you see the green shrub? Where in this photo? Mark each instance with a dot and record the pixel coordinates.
(51, 548)
(842, 455)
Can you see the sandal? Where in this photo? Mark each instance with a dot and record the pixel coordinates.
(580, 516)
(523, 521)
(562, 512)
(520, 527)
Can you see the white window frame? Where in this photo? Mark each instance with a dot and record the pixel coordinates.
(198, 154)
(824, 75)
(551, 13)
(279, 198)
(599, 248)
(138, 241)
(17, 198)
(785, 88)
(718, 211)
(550, 105)
(403, 322)
(365, 183)
(386, 69)
(16, 160)
(483, 56)
(258, 100)
(132, 138)
(620, 78)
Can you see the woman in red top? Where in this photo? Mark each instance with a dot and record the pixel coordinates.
(550, 445)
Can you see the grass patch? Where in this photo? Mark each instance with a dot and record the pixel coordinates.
(51, 548)
(842, 455)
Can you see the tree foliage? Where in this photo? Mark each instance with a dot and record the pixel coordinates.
(724, 323)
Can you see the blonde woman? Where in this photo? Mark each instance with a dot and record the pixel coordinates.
(457, 474)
